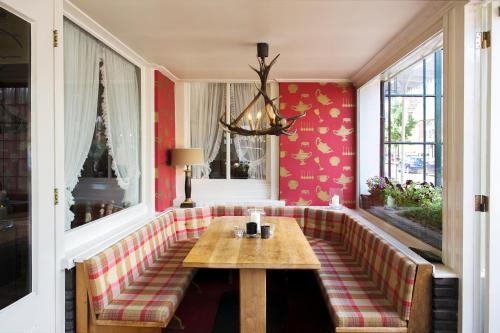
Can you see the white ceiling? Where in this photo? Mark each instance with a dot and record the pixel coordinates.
(215, 39)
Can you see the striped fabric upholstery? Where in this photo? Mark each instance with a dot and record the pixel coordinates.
(116, 267)
(353, 297)
(297, 212)
(323, 224)
(155, 294)
(191, 222)
(288, 211)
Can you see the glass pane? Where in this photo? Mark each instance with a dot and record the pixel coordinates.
(407, 119)
(218, 165)
(429, 75)
(386, 119)
(386, 161)
(409, 82)
(430, 114)
(430, 164)
(15, 163)
(407, 162)
(248, 157)
(98, 192)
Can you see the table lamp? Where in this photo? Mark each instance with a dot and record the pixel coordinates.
(187, 157)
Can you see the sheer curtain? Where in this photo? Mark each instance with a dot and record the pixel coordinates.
(250, 149)
(121, 116)
(207, 104)
(81, 87)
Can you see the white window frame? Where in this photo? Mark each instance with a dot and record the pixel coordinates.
(94, 236)
(249, 190)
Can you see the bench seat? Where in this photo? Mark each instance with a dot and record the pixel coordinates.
(352, 296)
(154, 295)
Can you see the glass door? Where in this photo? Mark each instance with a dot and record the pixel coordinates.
(27, 257)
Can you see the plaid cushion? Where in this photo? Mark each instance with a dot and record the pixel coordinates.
(118, 266)
(154, 295)
(221, 210)
(324, 224)
(296, 212)
(352, 296)
(191, 222)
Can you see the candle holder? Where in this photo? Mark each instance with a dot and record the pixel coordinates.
(255, 215)
(336, 198)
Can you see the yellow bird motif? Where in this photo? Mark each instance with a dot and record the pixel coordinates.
(322, 98)
(322, 195)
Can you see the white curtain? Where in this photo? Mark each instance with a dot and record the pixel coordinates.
(207, 104)
(81, 87)
(121, 116)
(250, 149)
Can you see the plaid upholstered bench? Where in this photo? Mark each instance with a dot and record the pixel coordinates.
(136, 284)
(369, 285)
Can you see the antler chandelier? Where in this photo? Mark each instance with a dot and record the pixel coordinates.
(276, 124)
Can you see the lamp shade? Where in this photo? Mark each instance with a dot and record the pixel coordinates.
(187, 156)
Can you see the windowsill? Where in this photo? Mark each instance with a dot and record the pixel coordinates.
(396, 233)
(87, 240)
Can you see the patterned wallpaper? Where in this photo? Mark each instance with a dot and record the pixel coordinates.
(164, 141)
(321, 155)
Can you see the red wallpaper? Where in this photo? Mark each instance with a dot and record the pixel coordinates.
(321, 155)
(164, 141)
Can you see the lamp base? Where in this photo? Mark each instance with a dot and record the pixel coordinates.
(188, 204)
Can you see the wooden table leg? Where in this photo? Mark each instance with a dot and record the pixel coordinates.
(252, 300)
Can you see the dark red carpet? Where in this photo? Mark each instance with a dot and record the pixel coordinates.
(296, 291)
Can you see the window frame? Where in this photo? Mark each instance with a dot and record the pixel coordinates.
(437, 143)
(88, 239)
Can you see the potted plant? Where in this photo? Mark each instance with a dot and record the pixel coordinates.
(376, 187)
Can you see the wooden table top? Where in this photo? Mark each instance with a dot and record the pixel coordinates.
(287, 249)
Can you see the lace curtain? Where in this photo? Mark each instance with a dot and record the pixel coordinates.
(207, 103)
(250, 149)
(121, 117)
(121, 110)
(81, 86)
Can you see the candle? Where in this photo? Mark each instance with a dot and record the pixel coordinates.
(335, 201)
(259, 115)
(250, 120)
(255, 217)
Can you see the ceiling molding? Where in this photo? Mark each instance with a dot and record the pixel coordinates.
(165, 72)
(426, 25)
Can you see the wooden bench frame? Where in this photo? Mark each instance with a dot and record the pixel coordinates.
(86, 318)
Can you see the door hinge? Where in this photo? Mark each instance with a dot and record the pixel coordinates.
(56, 197)
(55, 38)
(481, 203)
(483, 39)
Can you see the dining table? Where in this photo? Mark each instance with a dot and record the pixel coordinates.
(287, 248)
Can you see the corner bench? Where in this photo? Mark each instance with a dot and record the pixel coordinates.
(369, 284)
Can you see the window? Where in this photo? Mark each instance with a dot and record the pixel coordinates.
(407, 192)
(227, 156)
(102, 129)
(412, 137)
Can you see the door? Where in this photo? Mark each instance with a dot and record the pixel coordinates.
(27, 255)
(492, 179)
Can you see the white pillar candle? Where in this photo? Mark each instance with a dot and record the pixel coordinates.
(335, 201)
(255, 217)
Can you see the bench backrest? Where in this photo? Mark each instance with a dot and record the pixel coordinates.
(191, 222)
(296, 212)
(391, 271)
(324, 224)
(111, 270)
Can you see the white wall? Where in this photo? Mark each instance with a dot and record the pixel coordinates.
(368, 132)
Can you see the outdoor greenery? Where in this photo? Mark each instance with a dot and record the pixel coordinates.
(397, 123)
(420, 202)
